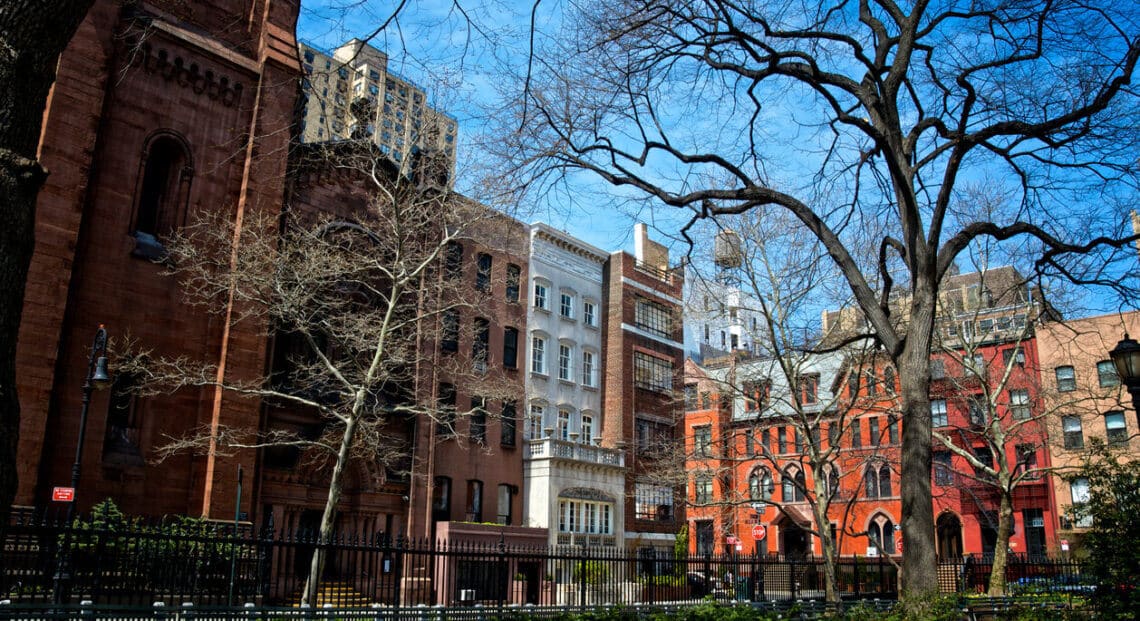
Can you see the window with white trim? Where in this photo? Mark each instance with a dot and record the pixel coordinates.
(587, 435)
(566, 305)
(585, 516)
(565, 362)
(538, 355)
(534, 422)
(589, 371)
(541, 295)
(562, 428)
(590, 313)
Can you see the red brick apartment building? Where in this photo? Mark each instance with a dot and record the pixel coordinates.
(643, 352)
(986, 376)
(144, 133)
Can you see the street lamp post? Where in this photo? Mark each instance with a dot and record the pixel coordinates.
(97, 376)
(1126, 357)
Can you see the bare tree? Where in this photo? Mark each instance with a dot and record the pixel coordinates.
(33, 33)
(859, 119)
(1003, 414)
(786, 415)
(360, 285)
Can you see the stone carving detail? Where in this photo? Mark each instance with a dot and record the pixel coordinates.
(585, 493)
(175, 69)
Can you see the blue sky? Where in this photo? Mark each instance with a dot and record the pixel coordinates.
(465, 62)
(461, 67)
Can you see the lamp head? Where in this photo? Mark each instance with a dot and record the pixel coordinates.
(1126, 357)
(100, 377)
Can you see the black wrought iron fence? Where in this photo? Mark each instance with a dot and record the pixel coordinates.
(211, 564)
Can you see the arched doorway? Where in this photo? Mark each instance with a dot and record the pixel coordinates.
(793, 540)
(949, 529)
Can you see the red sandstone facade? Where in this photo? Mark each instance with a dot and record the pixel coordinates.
(210, 114)
(142, 134)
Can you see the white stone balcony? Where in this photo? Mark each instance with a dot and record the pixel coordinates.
(550, 448)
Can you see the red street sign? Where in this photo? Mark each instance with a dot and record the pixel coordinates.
(63, 494)
(731, 540)
(759, 532)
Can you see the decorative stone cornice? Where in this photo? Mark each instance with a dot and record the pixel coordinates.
(173, 68)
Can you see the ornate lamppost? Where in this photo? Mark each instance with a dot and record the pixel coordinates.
(97, 377)
(1126, 357)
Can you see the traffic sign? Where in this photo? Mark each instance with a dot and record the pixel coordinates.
(759, 532)
(63, 494)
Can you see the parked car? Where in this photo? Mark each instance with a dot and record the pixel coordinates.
(702, 585)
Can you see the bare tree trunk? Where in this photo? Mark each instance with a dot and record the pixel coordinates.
(1001, 554)
(317, 565)
(913, 364)
(827, 545)
(33, 33)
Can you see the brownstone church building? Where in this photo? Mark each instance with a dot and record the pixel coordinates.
(164, 109)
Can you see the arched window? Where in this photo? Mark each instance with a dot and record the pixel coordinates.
(760, 484)
(881, 534)
(794, 485)
(163, 190)
(877, 481)
(831, 477)
(885, 481)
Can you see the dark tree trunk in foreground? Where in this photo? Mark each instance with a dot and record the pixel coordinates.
(33, 33)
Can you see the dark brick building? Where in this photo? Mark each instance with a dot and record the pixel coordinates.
(644, 356)
(160, 110)
(163, 111)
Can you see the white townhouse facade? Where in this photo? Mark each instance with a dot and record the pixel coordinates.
(572, 486)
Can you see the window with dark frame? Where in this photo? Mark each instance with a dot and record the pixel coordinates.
(478, 420)
(510, 347)
(1106, 374)
(979, 410)
(652, 373)
(1115, 430)
(441, 499)
(514, 274)
(873, 427)
(943, 468)
(453, 260)
(1073, 432)
(654, 318)
(703, 489)
(702, 441)
(1066, 378)
(483, 272)
(480, 343)
(449, 331)
(793, 485)
(1019, 403)
(809, 388)
(508, 424)
(474, 500)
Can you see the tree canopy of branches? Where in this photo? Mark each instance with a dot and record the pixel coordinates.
(33, 33)
(864, 120)
(358, 285)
